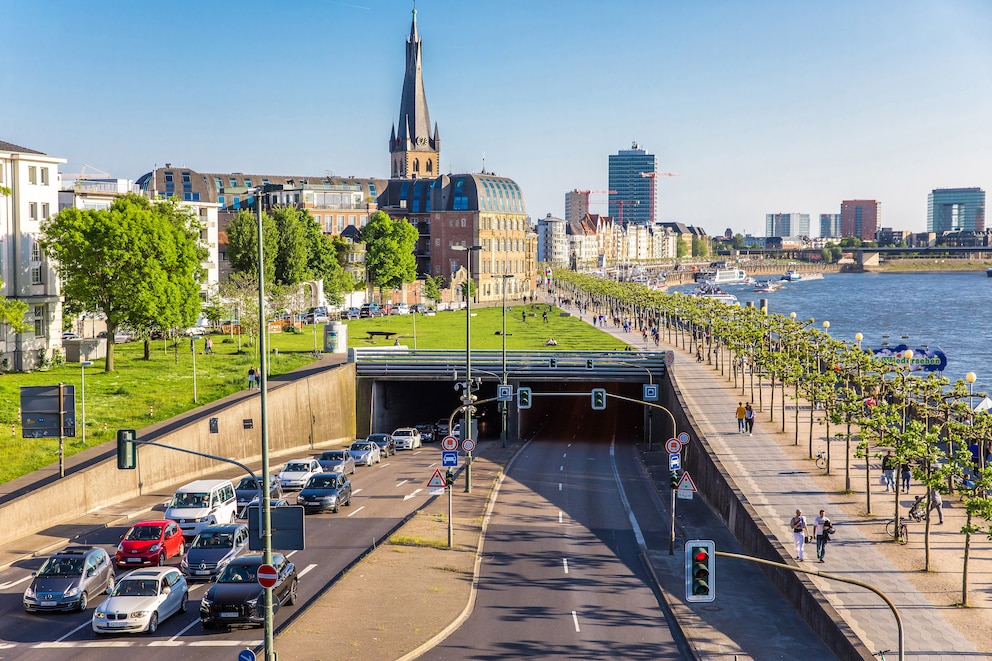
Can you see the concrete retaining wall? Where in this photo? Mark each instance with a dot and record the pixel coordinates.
(313, 411)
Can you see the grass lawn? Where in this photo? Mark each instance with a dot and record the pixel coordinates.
(141, 392)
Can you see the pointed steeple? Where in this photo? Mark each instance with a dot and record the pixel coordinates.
(413, 148)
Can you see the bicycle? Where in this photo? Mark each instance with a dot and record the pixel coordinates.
(890, 530)
(881, 654)
(821, 459)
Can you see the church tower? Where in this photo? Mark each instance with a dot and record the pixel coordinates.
(413, 150)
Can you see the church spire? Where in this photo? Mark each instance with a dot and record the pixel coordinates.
(413, 150)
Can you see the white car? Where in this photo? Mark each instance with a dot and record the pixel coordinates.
(401, 308)
(141, 600)
(407, 438)
(365, 453)
(298, 472)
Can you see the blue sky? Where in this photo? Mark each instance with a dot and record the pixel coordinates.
(759, 107)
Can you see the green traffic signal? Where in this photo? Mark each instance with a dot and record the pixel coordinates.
(523, 398)
(598, 399)
(673, 480)
(449, 477)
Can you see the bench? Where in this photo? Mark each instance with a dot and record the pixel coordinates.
(386, 334)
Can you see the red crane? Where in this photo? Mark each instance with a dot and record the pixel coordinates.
(652, 176)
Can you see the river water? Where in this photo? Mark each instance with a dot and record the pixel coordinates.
(948, 311)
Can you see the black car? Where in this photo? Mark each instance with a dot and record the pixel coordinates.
(247, 489)
(427, 432)
(213, 549)
(385, 442)
(68, 580)
(325, 492)
(237, 598)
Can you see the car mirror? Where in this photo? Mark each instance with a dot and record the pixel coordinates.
(122, 536)
(109, 589)
(90, 572)
(166, 590)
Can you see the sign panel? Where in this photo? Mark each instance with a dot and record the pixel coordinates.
(437, 480)
(684, 438)
(40, 411)
(267, 576)
(673, 445)
(674, 461)
(650, 392)
(504, 393)
(287, 528)
(686, 484)
(449, 443)
(924, 358)
(449, 458)
(468, 445)
(246, 655)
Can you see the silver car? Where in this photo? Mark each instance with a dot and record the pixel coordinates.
(365, 453)
(407, 438)
(68, 579)
(337, 461)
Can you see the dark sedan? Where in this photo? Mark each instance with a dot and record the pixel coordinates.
(247, 489)
(325, 492)
(237, 598)
(385, 442)
(213, 549)
(426, 432)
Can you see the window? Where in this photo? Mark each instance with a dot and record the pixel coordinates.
(44, 176)
(39, 311)
(36, 275)
(35, 252)
(248, 183)
(234, 182)
(220, 200)
(352, 220)
(265, 182)
(39, 327)
(33, 211)
(218, 184)
(44, 210)
(437, 242)
(32, 174)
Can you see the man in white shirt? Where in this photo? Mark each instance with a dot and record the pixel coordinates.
(821, 528)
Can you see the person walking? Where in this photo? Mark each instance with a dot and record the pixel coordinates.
(937, 503)
(741, 412)
(208, 347)
(821, 529)
(251, 377)
(799, 532)
(888, 470)
(749, 419)
(905, 474)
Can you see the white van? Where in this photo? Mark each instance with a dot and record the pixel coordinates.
(202, 503)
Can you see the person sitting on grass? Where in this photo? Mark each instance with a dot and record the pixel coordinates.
(551, 342)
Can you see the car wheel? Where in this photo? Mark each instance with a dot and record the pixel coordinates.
(152, 623)
(161, 558)
(110, 582)
(84, 601)
(293, 593)
(182, 542)
(337, 507)
(183, 607)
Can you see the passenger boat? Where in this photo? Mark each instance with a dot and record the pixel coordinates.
(715, 293)
(988, 272)
(792, 275)
(726, 277)
(767, 287)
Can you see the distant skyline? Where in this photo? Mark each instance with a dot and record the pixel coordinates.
(760, 107)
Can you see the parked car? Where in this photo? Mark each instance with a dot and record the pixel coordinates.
(213, 549)
(325, 492)
(141, 600)
(407, 438)
(70, 336)
(386, 443)
(365, 453)
(150, 543)
(318, 315)
(237, 598)
(297, 472)
(68, 579)
(418, 308)
(370, 310)
(351, 313)
(337, 461)
(247, 489)
(400, 308)
(426, 432)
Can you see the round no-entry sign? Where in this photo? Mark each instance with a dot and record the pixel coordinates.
(267, 576)
(449, 443)
(673, 445)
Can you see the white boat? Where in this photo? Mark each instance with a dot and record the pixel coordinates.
(792, 275)
(767, 287)
(726, 277)
(714, 293)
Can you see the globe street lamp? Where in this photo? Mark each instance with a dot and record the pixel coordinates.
(467, 392)
(971, 377)
(82, 371)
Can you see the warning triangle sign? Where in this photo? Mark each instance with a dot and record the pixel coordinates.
(686, 484)
(437, 480)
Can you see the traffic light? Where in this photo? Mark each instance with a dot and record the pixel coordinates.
(449, 477)
(598, 399)
(589, 364)
(700, 583)
(673, 480)
(523, 398)
(127, 451)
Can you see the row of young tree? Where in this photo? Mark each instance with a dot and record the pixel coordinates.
(865, 403)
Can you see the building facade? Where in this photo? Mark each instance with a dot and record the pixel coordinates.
(552, 241)
(787, 224)
(632, 185)
(953, 209)
(576, 204)
(860, 218)
(829, 224)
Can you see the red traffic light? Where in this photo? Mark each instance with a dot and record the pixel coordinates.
(701, 555)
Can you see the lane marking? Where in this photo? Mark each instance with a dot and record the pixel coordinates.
(559, 486)
(291, 553)
(412, 495)
(166, 643)
(559, 511)
(575, 619)
(565, 454)
(10, 584)
(402, 482)
(220, 643)
(79, 628)
(564, 564)
(561, 468)
(353, 491)
(358, 509)
(187, 627)
(303, 573)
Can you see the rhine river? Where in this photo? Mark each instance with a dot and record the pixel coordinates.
(948, 311)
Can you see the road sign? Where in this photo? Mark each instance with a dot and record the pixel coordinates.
(449, 443)
(650, 392)
(685, 484)
(674, 461)
(437, 480)
(287, 528)
(246, 655)
(468, 445)
(267, 576)
(449, 458)
(673, 445)
(684, 438)
(504, 393)
(40, 411)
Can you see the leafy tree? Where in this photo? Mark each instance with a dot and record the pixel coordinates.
(737, 241)
(389, 258)
(240, 296)
(433, 286)
(138, 263)
(242, 243)
(292, 264)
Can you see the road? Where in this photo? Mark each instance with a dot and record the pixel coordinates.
(383, 495)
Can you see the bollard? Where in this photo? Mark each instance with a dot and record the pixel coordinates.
(151, 411)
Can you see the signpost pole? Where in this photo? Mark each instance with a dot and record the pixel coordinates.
(451, 530)
(61, 430)
(671, 531)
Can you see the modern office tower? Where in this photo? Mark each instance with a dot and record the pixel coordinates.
(829, 224)
(632, 185)
(576, 204)
(860, 218)
(786, 224)
(950, 209)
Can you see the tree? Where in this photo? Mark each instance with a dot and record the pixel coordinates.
(240, 296)
(389, 258)
(433, 286)
(292, 264)
(242, 243)
(737, 241)
(138, 263)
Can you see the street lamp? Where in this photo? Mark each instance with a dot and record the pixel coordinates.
(467, 393)
(970, 377)
(857, 338)
(313, 305)
(192, 351)
(82, 371)
(502, 405)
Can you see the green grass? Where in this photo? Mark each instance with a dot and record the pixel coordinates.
(140, 392)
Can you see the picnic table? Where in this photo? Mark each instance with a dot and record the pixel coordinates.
(386, 334)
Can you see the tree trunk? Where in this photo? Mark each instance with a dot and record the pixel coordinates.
(964, 570)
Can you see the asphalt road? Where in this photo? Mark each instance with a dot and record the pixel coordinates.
(383, 495)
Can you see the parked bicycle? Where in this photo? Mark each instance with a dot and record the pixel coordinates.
(821, 458)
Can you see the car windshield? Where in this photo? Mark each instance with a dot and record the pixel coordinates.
(247, 483)
(238, 574)
(213, 540)
(401, 432)
(190, 500)
(297, 467)
(139, 533)
(322, 482)
(136, 588)
(333, 456)
(361, 446)
(57, 566)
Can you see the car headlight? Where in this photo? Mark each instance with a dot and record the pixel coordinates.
(184, 563)
(71, 591)
(29, 593)
(138, 614)
(206, 601)
(252, 602)
(155, 547)
(120, 547)
(99, 615)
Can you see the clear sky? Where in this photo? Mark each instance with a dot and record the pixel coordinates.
(760, 107)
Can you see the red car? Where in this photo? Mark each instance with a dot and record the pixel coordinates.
(150, 543)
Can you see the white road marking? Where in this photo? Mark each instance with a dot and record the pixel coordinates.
(575, 619)
(564, 455)
(305, 570)
(291, 553)
(559, 486)
(354, 491)
(168, 643)
(560, 515)
(400, 483)
(561, 468)
(356, 511)
(10, 584)
(564, 564)
(79, 628)
(411, 495)
(89, 643)
(185, 629)
(196, 586)
(222, 643)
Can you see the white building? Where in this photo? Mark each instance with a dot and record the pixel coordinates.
(32, 179)
(552, 241)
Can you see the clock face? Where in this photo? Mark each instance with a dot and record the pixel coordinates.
(421, 140)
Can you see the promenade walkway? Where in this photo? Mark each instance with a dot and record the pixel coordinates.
(777, 478)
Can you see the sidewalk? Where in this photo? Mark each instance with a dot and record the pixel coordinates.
(777, 478)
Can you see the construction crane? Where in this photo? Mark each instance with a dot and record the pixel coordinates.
(621, 203)
(653, 176)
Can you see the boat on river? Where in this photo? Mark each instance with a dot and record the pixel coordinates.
(767, 287)
(714, 293)
(727, 277)
(988, 272)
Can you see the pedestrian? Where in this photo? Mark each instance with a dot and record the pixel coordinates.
(799, 532)
(937, 503)
(208, 347)
(821, 529)
(523, 316)
(741, 411)
(749, 419)
(545, 315)
(251, 377)
(888, 470)
(699, 354)
(905, 474)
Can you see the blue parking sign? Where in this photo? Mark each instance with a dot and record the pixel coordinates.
(449, 458)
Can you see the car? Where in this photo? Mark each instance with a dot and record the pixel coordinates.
(400, 308)
(247, 489)
(407, 438)
(386, 443)
(68, 579)
(317, 315)
(297, 472)
(441, 428)
(273, 503)
(150, 543)
(213, 548)
(70, 336)
(337, 461)
(351, 313)
(365, 453)
(202, 503)
(141, 600)
(426, 432)
(325, 492)
(418, 308)
(370, 310)
(237, 598)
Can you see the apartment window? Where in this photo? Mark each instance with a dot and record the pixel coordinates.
(39, 312)
(44, 176)
(352, 220)
(36, 252)
(218, 184)
(437, 242)
(248, 183)
(36, 275)
(234, 182)
(220, 200)
(33, 211)
(32, 174)
(39, 327)
(44, 210)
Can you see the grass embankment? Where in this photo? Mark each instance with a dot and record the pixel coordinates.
(140, 392)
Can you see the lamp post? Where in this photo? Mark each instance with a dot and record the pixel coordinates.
(502, 405)
(82, 372)
(908, 355)
(970, 377)
(313, 305)
(192, 352)
(857, 338)
(467, 392)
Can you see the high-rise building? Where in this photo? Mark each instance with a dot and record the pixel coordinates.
(860, 218)
(552, 241)
(576, 204)
(829, 224)
(413, 150)
(786, 224)
(950, 209)
(632, 178)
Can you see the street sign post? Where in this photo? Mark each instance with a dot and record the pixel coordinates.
(674, 461)
(437, 480)
(650, 392)
(449, 443)
(684, 438)
(267, 576)
(673, 445)
(468, 445)
(449, 458)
